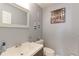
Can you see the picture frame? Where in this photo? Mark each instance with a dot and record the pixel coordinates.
(58, 16)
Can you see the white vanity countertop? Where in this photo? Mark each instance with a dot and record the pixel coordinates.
(26, 49)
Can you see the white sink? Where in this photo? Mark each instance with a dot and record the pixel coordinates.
(26, 49)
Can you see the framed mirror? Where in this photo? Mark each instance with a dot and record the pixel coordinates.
(13, 15)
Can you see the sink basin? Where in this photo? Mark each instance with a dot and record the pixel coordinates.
(26, 49)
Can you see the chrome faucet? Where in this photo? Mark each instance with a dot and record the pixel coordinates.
(1, 47)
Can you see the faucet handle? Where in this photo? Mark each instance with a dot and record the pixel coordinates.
(3, 43)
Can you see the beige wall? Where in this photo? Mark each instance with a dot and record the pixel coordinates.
(62, 37)
(36, 16)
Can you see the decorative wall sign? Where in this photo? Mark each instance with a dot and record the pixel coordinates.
(58, 16)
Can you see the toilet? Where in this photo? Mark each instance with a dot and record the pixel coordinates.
(46, 51)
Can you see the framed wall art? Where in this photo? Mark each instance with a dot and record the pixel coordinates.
(58, 16)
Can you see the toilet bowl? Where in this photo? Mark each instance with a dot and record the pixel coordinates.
(46, 51)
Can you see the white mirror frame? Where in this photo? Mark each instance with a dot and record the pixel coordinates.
(16, 25)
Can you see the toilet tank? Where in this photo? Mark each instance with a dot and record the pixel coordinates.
(41, 41)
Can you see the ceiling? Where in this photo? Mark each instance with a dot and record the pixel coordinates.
(44, 5)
